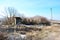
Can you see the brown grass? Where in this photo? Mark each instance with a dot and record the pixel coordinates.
(47, 33)
(3, 36)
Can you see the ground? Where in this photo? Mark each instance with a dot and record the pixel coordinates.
(35, 33)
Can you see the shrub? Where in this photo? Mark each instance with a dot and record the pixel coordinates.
(2, 36)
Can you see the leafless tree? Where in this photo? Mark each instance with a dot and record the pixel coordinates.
(10, 14)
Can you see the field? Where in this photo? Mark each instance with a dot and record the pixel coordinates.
(31, 33)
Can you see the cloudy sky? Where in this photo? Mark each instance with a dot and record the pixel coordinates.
(33, 7)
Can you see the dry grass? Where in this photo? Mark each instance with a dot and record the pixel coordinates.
(3, 36)
(47, 33)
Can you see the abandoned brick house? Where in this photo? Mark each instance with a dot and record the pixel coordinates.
(18, 20)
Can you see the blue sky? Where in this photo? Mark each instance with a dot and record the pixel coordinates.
(33, 7)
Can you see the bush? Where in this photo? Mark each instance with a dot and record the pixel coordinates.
(2, 36)
(36, 20)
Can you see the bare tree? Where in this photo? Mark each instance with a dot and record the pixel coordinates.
(10, 14)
